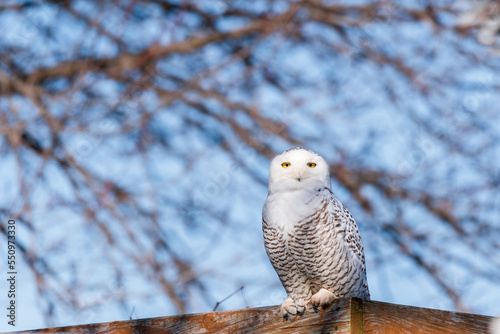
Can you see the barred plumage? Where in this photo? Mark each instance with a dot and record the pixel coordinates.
(311, 239)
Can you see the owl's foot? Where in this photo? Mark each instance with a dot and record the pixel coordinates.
(323, 298)
(290, 309)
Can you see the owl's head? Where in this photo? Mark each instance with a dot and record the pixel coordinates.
(298, 169)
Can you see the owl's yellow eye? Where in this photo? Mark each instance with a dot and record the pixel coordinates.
(311, 164)
(285, 164)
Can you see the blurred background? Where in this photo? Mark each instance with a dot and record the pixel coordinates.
(136, 135)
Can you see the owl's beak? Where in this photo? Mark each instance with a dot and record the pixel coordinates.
(300, 176)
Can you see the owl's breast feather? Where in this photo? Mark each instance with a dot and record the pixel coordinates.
(284, 210)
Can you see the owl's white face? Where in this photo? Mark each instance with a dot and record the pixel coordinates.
(298, 169)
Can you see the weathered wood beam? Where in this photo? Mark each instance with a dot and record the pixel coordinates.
(347, 316)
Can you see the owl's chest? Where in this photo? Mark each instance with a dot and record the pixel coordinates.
(288, 211)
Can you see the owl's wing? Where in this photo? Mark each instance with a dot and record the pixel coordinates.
(352, 238)
(352, 235)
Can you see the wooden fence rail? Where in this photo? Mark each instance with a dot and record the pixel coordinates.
(347, 316)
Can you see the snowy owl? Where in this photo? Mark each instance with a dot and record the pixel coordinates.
(310, 237)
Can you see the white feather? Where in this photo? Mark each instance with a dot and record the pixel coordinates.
(311, 239)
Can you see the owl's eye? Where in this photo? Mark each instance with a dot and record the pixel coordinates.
(311, 164)
(285, 164)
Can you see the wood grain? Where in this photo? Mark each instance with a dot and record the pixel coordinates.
(381, 317)
(346, 316)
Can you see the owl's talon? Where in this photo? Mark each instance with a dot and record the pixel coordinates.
(288, 316)
(289, 309)
(301, 309)
(324, 298)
